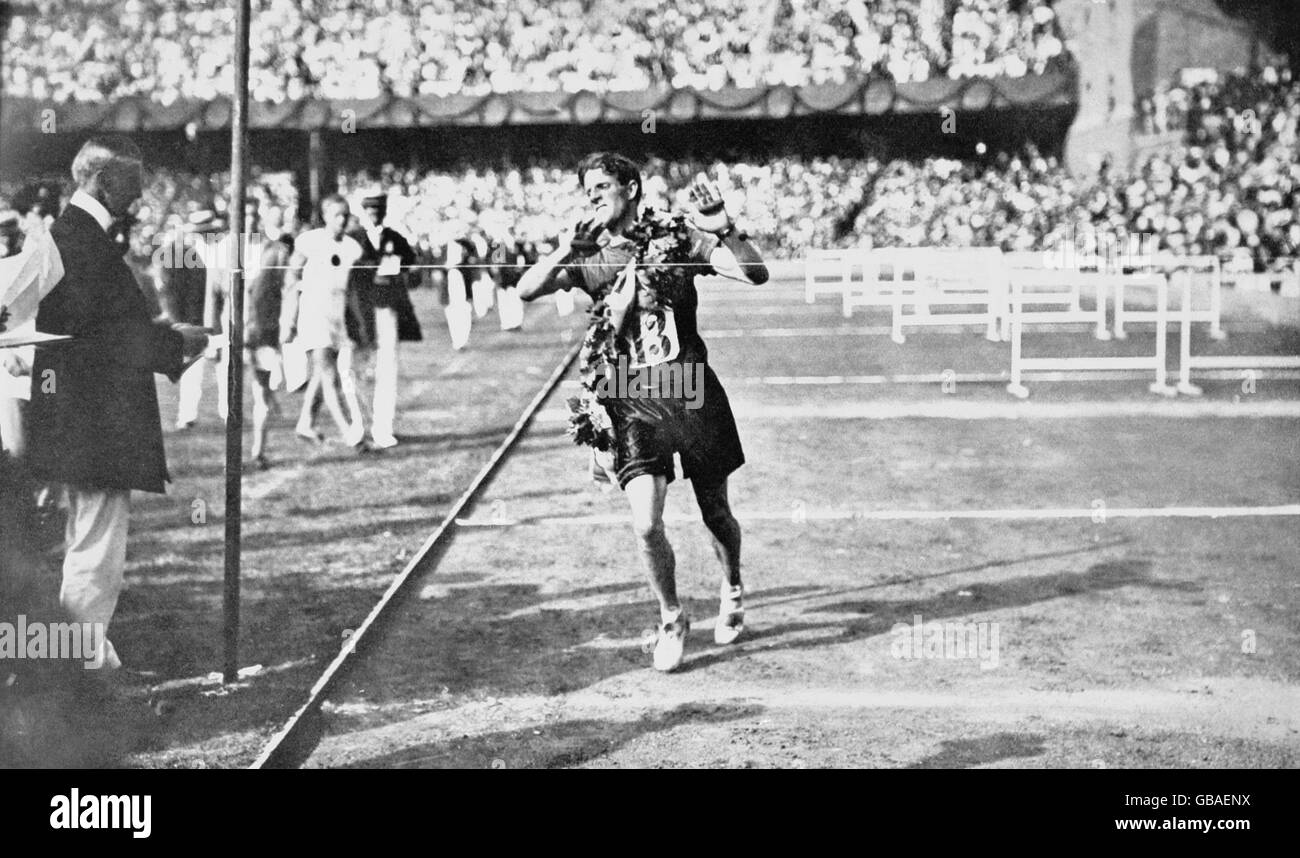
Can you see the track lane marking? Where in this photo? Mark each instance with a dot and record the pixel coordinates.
(1065, 513)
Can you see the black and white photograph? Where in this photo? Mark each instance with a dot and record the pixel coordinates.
(619, 384)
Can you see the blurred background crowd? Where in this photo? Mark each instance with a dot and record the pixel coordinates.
(102, 50)
(1231, 187)
(1226, 185)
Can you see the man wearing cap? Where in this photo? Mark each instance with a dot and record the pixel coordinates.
(13, 362)
(37, 205)
(11, 236)
(182, 279)
(380, 282)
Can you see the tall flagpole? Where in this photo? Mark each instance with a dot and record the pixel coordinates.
(235, 327)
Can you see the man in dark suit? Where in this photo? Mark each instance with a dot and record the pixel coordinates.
(182, 277)
(93, 422)
(380, 281)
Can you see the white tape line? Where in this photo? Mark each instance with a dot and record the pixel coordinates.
(1096, 514)
(998, 377)
(960, 410)
(993, 377)
(1243, 409)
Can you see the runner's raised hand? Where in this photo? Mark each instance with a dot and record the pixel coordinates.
(711, 212)
(582, 242)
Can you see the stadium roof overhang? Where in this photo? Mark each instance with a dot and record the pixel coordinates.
(868, 97)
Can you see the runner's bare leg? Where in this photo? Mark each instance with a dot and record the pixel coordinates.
(307, 417)
(263, 400)
(645, 495)
(324, 361)
(348, 358)
(722, 525)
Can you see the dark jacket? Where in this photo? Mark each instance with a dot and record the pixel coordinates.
(508, 263)
(183, 284)
(266, 294)
(93, 420)
(263, 293)
(374, 290)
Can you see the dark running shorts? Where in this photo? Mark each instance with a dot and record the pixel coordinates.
(649, 432)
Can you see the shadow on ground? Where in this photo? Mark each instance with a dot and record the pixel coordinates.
(967, 753)
(878, 617)
(559, 745)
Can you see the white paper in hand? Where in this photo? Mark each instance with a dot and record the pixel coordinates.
(296, 366)
(564, 302)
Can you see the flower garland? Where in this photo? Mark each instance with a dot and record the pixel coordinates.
(662, 244)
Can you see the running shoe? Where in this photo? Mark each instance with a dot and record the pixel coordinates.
(356, 436)
(731, 615)
(382, 440)
(670, 645)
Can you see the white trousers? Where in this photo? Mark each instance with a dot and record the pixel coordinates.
(12, 439)
(95, 561)
(191, 392)
(223, 385)
(385, 401)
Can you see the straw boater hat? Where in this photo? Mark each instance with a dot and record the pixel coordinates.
(204, 220)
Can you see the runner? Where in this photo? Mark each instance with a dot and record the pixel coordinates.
(314, 313)
(648, 391)
(266, 253)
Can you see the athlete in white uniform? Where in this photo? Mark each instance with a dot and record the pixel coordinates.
(315, 315)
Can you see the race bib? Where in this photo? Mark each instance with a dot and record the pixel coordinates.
(653, 338)
(390, 266)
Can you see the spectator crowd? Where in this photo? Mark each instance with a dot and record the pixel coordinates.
(102, 50)
(1231, 187)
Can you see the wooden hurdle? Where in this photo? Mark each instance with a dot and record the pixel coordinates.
(1054, 296)
(972, 277)
(828, 271)
(1178, 267)
(1188, 362)
(929, 279)
(875, 289)
(1019, 318)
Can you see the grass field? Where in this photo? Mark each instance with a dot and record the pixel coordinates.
(1126, 636)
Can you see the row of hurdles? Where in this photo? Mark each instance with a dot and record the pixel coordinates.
(1003, 293)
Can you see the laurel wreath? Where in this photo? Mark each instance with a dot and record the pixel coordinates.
(662, 246)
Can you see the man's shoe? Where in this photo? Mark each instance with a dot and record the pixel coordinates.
(356, 436)
(382, 440)
(731, 615)
(185, 425)
(670, 644)
(309, 435)
(105, 658)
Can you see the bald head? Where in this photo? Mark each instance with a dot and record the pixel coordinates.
(110, 169)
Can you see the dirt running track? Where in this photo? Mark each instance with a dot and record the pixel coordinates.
(1121, 641)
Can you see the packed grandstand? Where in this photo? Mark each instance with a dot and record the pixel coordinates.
(101, 50)
(1228, 188)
